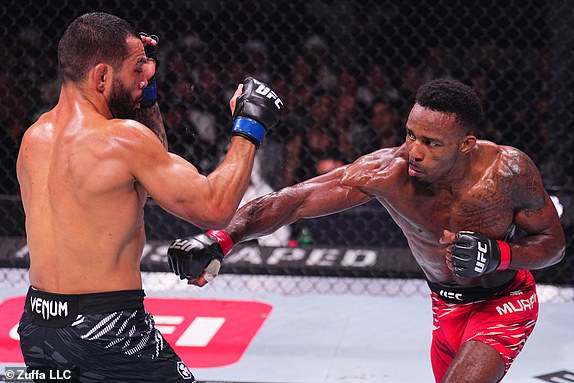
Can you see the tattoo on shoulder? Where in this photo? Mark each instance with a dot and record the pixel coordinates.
(528, 186)
(151, 117)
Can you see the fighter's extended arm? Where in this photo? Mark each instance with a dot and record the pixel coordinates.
(338, 190)
(319, 196)
(198, 258)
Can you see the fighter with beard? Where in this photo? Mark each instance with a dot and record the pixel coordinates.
(86, 169)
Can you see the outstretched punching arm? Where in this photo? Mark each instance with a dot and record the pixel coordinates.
(319, 196)
(338, 190)
(198, 258)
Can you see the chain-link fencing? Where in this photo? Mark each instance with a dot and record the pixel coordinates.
(347, 72)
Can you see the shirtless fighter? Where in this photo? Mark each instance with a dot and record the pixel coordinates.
(458, 200)
(86, 169)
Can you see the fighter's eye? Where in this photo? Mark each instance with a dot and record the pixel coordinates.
(431, 143)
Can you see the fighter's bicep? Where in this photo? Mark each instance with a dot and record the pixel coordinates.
(327, 194)
(172, 179)
(168, 178)
(535, 211)
(537, 218)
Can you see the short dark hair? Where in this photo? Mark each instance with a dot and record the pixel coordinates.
(91, 39)
(452, 96)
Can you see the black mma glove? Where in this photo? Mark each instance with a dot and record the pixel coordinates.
(473, 254)
(150, 91)
(257, 110)
(199, 255)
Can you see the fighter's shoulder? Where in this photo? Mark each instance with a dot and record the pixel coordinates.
(130, 134)
(510, 161)
(39, 128)
(377, 168)
(129, 128)
(520, 177)
(386, 158)
(515, 172)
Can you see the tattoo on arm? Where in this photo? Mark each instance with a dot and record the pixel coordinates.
(531, 213)
(531, 191)
(151, 117)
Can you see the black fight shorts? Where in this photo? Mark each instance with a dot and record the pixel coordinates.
(101, 337)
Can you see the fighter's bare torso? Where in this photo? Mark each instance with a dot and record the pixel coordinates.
(84, 209)
(484, 199)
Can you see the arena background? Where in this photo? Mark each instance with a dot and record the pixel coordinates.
(347, 72)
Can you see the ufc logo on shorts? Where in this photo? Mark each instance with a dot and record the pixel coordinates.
(481, 257)
(266, 92)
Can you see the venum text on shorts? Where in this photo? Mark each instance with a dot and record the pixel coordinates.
(21, 374)
(49, 308)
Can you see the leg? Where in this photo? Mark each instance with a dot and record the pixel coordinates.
(475, 362)
(441, 357)
(129, 349)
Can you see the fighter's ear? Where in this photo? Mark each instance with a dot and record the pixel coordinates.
(468, 142)
(100, 76)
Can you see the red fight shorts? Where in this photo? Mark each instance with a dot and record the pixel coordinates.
(504, 321)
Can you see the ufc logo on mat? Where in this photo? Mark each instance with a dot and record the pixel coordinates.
(198, 329)
(266, 92)
(481, 258)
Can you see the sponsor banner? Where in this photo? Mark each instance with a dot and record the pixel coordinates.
(204, 333)
(254, 259)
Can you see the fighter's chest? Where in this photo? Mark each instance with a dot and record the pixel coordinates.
(483, 208)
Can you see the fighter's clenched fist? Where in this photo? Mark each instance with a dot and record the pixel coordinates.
(257, 110)
(198, 258)
(474, 254)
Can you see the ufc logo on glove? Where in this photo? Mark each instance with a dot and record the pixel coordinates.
(481, 257)
(181, 244)
(266, 92)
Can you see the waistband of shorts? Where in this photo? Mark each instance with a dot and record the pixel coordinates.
(92, 303)
(455, 294)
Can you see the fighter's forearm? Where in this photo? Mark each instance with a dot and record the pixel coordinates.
(316, 197)
(538, 251)
(152, 118)
(264, 215)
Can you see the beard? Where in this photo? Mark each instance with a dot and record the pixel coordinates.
(417, 182)
(121, 103)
